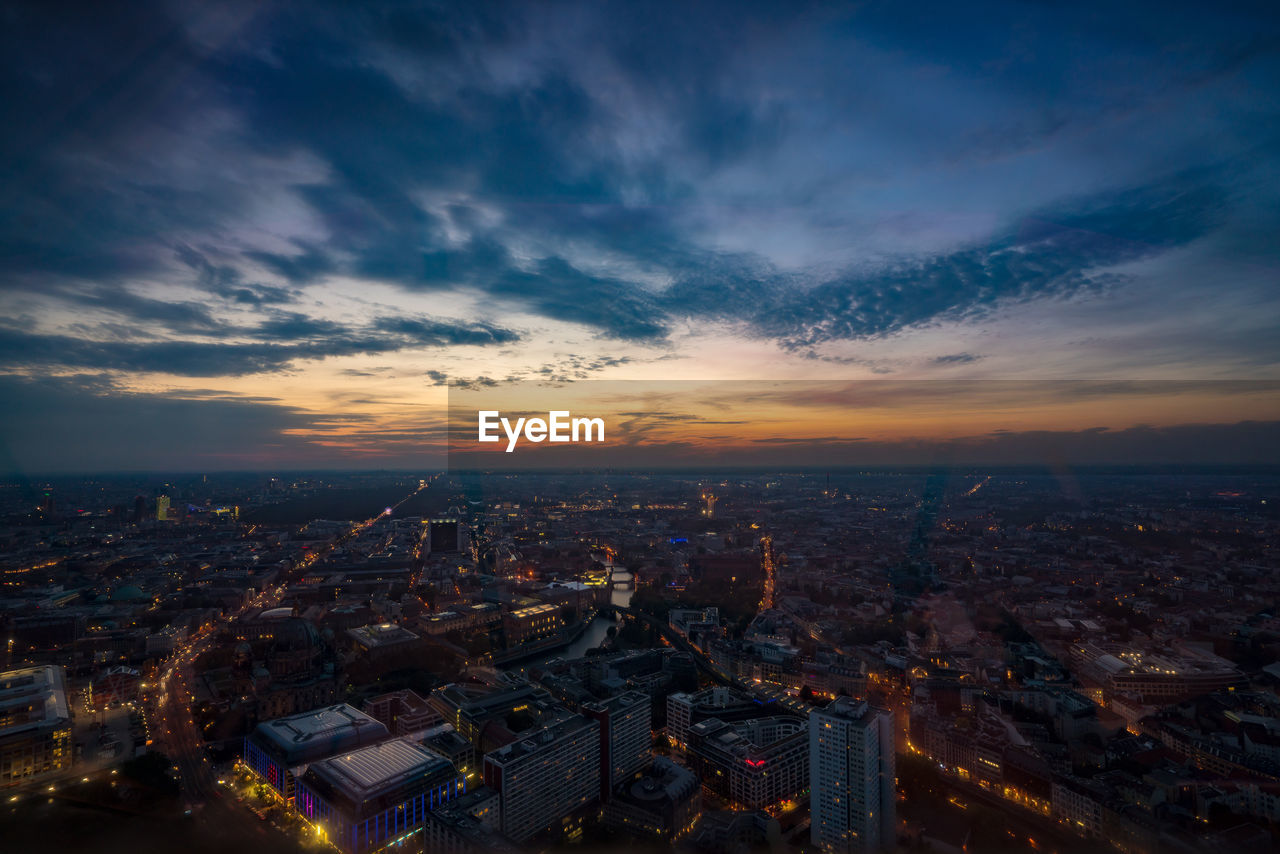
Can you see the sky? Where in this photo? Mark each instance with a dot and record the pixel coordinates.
(269, 235)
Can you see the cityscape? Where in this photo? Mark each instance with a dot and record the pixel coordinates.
(882, 660)
(600, 426)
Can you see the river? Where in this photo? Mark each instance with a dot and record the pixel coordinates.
(599, 628)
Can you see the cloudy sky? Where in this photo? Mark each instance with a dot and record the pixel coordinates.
(266, 235)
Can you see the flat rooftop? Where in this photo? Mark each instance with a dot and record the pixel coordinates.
(536, 740)
(365, 773)
(382, 634)
(534, 611)
(32, 697)
(846, 707)
(321, 732)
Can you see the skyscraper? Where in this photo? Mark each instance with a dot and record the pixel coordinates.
(545, 777)
(851, 778)
(626, 737)
(162, 508)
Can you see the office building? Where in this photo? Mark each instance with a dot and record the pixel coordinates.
(626, 737)
(851, 770)
(35, 723)
(524, 625)
(546, 777)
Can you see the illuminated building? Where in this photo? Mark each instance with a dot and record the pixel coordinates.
(463, 618)
(377, 796)
(626, 737)
(281, 750)
(35, 723)
(544, 778)
(1155, 678)
(851, 769)
(754, 763)
(530, 624)
(162, 508)
(660, 806)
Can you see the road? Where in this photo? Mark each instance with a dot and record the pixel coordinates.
(175, 724)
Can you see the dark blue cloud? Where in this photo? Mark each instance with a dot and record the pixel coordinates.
(277, 345)
(599, 163)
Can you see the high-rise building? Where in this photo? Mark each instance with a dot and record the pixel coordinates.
(626, 737)
(162, 508)
(544, 778)
(851, 778)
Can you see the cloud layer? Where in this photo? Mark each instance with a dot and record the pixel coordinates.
(563, 189)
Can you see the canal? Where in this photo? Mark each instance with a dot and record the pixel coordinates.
(595, 634)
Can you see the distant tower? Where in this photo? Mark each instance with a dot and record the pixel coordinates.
(162, 508)
(709, 500)
(139, 508)
(852, 805)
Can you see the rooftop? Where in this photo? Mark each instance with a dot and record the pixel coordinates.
(540, 738)
(845, 707)
(321, 732)
(382, 634)
(534, 610)
(32, 697)
(369, 771)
